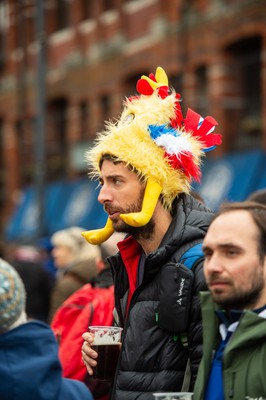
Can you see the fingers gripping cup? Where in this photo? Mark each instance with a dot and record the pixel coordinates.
(107, 343)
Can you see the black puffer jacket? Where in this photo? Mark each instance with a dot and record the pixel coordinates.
(154, 359)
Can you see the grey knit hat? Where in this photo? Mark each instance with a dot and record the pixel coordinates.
(12, 296)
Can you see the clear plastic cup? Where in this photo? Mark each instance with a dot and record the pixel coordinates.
(107, 343)
(173, 396)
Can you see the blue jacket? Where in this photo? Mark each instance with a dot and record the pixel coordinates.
(30, 368)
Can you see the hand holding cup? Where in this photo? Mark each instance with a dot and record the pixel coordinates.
(102, 343)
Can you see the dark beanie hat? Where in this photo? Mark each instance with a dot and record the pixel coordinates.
(12, 296)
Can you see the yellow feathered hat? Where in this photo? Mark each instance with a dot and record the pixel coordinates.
(163, 148)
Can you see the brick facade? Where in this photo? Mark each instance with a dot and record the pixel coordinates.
(95, 55)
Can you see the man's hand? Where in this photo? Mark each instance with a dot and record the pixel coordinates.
(88, 354)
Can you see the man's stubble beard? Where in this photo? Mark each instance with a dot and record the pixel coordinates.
(242, 298)
(142, 232)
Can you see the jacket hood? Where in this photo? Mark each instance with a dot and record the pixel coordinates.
(30, 368)
(191, 220)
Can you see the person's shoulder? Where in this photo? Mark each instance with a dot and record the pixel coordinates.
(29, 330)
(187, 203)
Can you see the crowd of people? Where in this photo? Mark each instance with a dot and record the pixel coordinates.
(187, 285)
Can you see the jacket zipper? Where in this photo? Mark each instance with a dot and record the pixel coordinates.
(232, 391)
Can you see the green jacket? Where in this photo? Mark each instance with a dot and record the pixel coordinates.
(244, 359)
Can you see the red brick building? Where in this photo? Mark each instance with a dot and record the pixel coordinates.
(214, 52)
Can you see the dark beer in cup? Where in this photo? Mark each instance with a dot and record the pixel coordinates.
(107, 343)
(106, 361)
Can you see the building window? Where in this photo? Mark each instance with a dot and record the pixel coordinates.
(176, 82)
(245, 111)
(108, 5)
(56, 141)
(62, 14)
(201, 91)
(85, 9)
(26, 150)
(105, 107)
(84, 119)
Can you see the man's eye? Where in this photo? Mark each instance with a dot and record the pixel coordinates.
(231, 252)
(207, 254)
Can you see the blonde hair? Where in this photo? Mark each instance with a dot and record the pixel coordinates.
(72, 238)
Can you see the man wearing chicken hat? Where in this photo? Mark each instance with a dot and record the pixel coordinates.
(145, 164)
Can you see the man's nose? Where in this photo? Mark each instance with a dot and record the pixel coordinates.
(104, 194)
(213, 264)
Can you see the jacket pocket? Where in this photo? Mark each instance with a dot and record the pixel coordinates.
(175, 293)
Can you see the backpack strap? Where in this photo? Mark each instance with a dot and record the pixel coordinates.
(192, 255)
(187, 377)
(189, 259)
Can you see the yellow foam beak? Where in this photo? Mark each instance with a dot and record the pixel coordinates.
(150, 198)
(98, 236)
